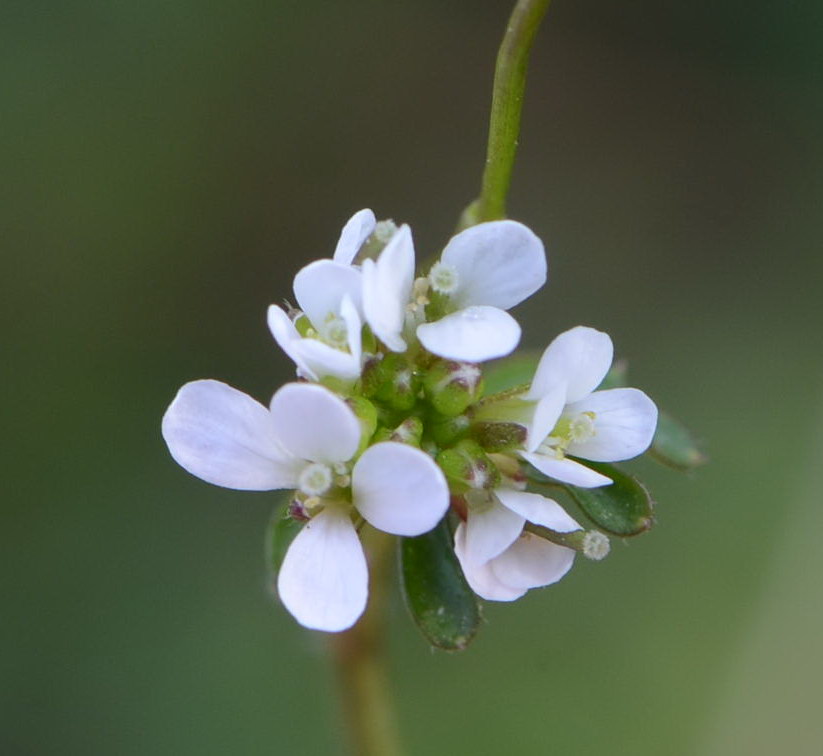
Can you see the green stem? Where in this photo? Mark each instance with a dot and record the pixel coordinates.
(359, 654)
(507, 105)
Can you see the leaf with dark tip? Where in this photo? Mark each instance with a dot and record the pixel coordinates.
(623, 508)
(437, 595)
(675, 446)
(280, 532)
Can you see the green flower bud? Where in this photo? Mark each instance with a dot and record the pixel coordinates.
(408, 432)
(446, 431)
(495, 437)
(466, 467)
(452, 386)
(366, 413)
(392, 381)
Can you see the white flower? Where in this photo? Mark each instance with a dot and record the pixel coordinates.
(500, 560)
(329, 294)
(306, 440)
(387, 286)
(483, 271)
(570, 418)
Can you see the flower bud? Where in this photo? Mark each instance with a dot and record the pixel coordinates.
(393, 381)
(497, 437)
(446, 431)
(452, 386)
(366, 413)
(408, 432)
(466, 466)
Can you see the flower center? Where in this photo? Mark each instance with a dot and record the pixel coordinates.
(570, 429)
(315, 479)
(335, 332)
(444, 278)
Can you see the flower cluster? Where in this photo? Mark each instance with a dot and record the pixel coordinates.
(389, 425)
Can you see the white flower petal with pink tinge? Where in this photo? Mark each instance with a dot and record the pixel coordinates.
(315, 424)
(577, 359)
(357, 229)
(475, 334)
(324, 579)
(399, 489)
(499, 263)
(225, 437)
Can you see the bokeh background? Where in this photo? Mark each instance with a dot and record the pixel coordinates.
(168, 166)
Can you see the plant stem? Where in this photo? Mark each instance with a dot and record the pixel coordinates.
(507, 105)
(360, 657)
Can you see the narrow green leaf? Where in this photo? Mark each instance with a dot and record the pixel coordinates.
(623, 509)
(674, 445)
(437, 595)
(280, 532)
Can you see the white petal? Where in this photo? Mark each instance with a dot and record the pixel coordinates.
(399, 489)
(354, 328)
(532, 562)
(578, 359)
(489, 531)
(387, 286)
(288, 338)
(322, 359)
(227, 438)
(566, 470)
(546, 414)
(357, 229)
(315, 424)
(538, 509)
(474, 334)
(624, 424)
(320, 287)
(499, 264)
(324, 580)
(480, 577)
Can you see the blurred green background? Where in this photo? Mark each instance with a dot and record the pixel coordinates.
(168, 166)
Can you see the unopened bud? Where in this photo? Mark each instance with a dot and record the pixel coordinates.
(448, 430)
(452, 386)
(497, 437)
(392, 380)
(366, 413)
(466, 467)
(408, 432)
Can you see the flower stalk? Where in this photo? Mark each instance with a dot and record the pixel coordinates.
(507, 106)
(359, 655)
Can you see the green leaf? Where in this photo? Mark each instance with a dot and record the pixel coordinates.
(674, 445)
(623, 509)
(437, 595)
(280, 532)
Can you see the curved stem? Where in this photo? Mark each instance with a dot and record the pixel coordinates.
(507, 105)
(360, 658)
